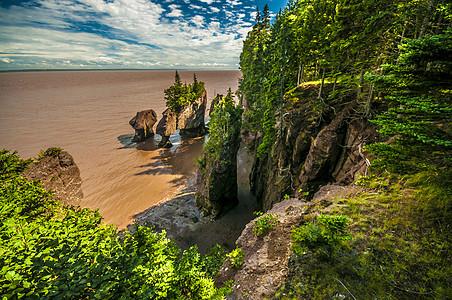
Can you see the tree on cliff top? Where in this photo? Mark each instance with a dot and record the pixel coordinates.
(178, 95)
(225, 122)
(419, 92)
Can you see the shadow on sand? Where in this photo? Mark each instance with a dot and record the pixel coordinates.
(177, 160)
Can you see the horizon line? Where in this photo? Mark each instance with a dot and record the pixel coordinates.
(114, 69)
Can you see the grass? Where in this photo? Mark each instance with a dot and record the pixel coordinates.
(400, 246)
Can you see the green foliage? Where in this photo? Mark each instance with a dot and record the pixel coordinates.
(420, 114)
(51, 152)
(399, 246)
(236, 257)
(179, 95)
(213, 261)
(326, 233)
(265, 223)
(224, 126)
(50, 251)
(11, 165)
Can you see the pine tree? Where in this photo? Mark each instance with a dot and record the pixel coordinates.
(419, 92)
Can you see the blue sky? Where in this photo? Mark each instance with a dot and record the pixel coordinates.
(142, 34)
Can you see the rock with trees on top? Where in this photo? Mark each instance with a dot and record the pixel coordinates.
(186, 109)
(217, 176)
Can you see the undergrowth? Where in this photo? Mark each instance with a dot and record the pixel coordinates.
(400, 244)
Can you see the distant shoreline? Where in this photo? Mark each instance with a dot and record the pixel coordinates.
(84, 70)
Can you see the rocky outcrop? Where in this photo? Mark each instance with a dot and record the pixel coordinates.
(315, 144)
(217, 176)
(166, 127)
(214, 102)
(143, 123)
(266, 258)
(190, 121)
(217, 182)
(58, 172)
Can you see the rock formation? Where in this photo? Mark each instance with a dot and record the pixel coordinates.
(166, 127)
(58, 172)
(143, 123)
(313, 147)
(217, 178)
(190, 121)
(266, 260)
(214, 102)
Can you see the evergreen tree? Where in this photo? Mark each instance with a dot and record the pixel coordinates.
(178, 95)
(418, 89)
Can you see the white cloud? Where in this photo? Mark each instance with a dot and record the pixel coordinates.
(175, 11)
(207, 1)
(141, 33)
(198, 20)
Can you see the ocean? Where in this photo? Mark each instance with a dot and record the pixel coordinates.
(87, 113)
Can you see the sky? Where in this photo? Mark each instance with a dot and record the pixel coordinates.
(125, 34)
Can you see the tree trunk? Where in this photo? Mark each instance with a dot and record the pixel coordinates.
(321, 85)
(438, 24)
(360, 84)
(426, 19)
(369, 101)
(315, 72)
(300, 74)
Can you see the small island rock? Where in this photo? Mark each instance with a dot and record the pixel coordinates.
(143, 123)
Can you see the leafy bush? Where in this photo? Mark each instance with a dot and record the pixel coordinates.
(51, 152)
(236, 257)
(11, 164)
(50, 251)
(214, 260)
(265, 223)
(326, 233)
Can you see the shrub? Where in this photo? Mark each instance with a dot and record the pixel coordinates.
(326, 233)
(265, 223)
(51, 251)
(236, 257)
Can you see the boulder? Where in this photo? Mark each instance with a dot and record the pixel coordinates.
(166, 127)
(143, 123)
(59, 173)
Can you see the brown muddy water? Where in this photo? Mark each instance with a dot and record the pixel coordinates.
(87, 114)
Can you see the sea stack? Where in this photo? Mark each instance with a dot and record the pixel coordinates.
(143, 123)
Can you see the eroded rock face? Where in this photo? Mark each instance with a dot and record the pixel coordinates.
(312, 148)
(266, 257)
(217, 183)
(143, 123)
(190, 121)
(217, 174)
(59, 173)
(166, 127)
(214, 102)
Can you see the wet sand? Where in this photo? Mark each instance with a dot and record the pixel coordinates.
(87, 114)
